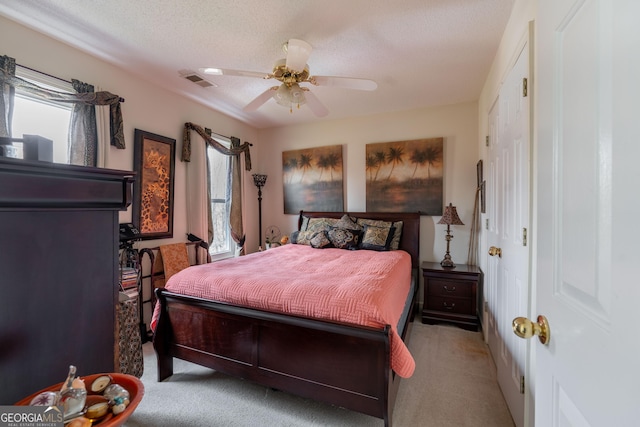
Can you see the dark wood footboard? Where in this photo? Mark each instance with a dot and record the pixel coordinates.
(335, 363)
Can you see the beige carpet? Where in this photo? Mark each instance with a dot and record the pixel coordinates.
(454, 385)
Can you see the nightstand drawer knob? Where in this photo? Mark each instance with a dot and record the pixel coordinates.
(447, 306)
(448, 289)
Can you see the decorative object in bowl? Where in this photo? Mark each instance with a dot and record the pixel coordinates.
(130, 383)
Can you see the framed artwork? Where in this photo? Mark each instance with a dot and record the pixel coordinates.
(312, 179)
(154, 162)
(405, 176)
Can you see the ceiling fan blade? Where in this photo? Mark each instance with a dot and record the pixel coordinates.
(344, 82)
(315, 105)
(260, 99)
(298, 52)
(227, 72)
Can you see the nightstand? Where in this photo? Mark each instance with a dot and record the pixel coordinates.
(452, 294)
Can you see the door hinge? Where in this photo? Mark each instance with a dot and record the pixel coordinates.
(524, 237)
(522, 384)
(524, 87)
(486, 140)
(486, 223)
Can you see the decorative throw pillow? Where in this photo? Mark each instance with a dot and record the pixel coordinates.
(305, 223)
(320, 240)
(347, 223)
(377, 238)
(397, 234)
(302, 237)
(376, 222)
(319, 224)
(395, 242)
(343, 238)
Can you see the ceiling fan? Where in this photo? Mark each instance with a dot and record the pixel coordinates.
(291, 72)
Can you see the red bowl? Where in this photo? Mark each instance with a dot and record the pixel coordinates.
(132, 384)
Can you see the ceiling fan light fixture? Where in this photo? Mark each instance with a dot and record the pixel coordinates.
(297, 94)
(290, 96)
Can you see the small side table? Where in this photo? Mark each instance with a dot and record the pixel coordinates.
(452, 294)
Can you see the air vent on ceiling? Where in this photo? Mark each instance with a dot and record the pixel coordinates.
(195, 78)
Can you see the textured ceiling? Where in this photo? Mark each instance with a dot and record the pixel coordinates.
(420, 52)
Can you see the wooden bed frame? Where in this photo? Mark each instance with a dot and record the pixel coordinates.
(336, 363)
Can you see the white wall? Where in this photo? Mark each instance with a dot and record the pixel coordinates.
(146, 107)
(457, 124)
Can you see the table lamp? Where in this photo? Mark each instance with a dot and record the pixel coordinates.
(449, 217)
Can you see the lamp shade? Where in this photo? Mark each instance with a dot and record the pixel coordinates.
(450, 216)
(259, 179)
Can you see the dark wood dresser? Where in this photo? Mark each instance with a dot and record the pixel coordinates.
(58, 271)
(452, 294)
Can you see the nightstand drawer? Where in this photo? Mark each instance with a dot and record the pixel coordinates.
(451, 305)
(449, 288)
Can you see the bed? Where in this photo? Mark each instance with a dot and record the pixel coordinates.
(326, 359)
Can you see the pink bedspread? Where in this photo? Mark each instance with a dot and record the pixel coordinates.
(359, 287)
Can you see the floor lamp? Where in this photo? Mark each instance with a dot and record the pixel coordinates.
(259, 180)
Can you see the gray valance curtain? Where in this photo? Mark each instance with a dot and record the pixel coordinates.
(82, 134)
(186, 145)
(236, 149)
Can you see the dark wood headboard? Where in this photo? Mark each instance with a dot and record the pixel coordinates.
(410, 240)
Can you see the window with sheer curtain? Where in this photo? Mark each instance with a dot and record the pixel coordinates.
(84, 121)
(33, 114)
(52, 117)
(214, 172)
(219, 183)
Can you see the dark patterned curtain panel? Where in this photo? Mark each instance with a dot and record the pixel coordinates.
(8, 67)
(210, 228)
(235, 212)
(8, 79)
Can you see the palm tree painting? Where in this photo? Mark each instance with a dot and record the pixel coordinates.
(312, 179)
(405, 176)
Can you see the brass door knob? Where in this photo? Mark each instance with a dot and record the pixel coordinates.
(493, 251)
(525, 328)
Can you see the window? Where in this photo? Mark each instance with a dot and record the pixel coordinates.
(220, 192)
(33, 116)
